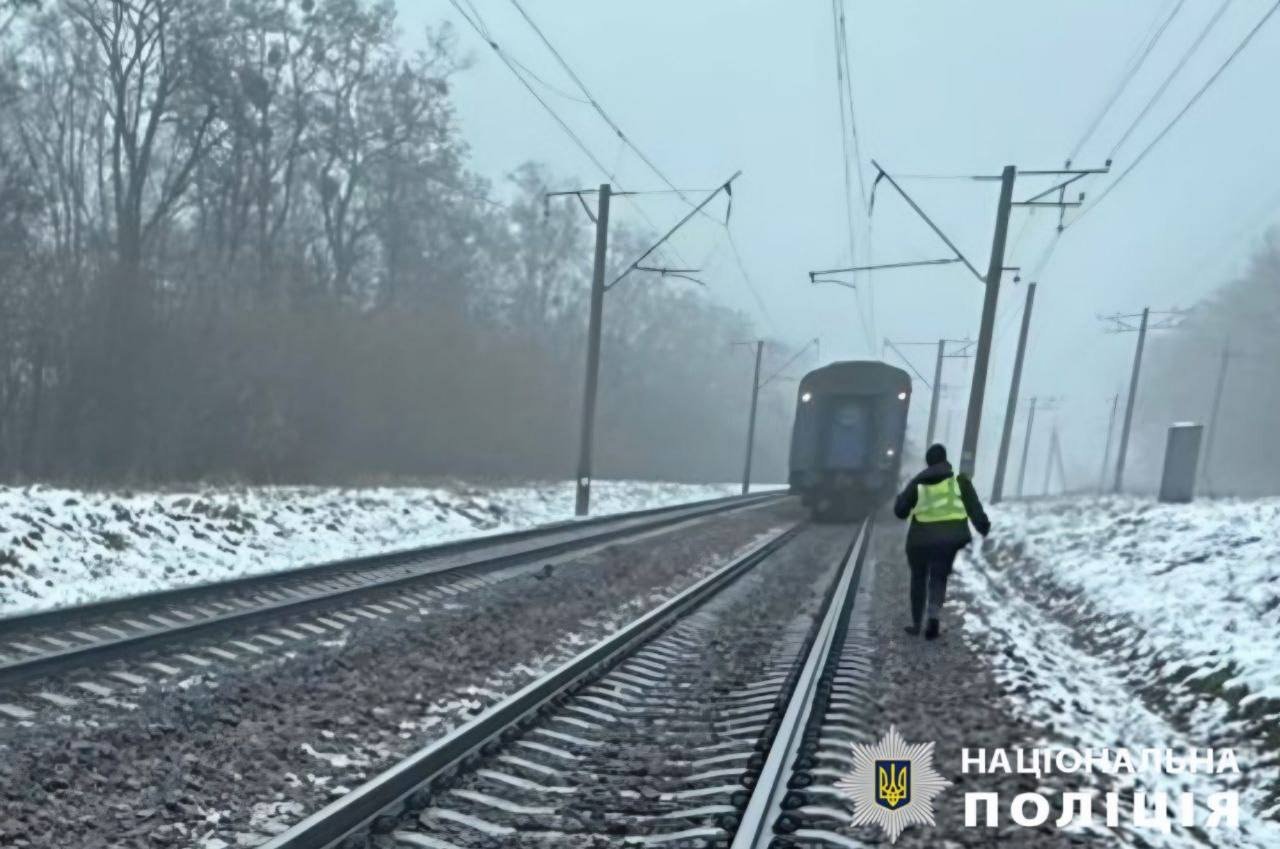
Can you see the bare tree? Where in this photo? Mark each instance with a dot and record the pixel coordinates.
(240, 239)
(156, 129)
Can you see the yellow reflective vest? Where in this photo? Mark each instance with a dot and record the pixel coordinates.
(939, 502)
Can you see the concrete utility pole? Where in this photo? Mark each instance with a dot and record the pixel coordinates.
(1123, 451)
(582, 503)
(1166, 320)
(936, 386)
(751, 421)
(937, 390)
(1213, 414)
(977, 391)
(995, 267)
(1048, 459)
(1026, 445)
(1106, 453)
(1006, 435)
(1057, 456)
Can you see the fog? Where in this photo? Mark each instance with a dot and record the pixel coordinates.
(940, 89)
(318, 246)
(275, 265)
(1186, 364)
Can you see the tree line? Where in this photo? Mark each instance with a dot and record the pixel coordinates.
(239, 240)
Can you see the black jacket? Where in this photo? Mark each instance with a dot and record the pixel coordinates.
(955, 533)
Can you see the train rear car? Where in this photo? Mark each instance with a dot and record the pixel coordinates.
(846, 444)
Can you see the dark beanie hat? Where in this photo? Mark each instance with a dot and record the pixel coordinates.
(936, 454)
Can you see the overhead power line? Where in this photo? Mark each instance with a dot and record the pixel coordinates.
(595, 104)
(477, 24)
(844, 128)
(1125, 79)
(1177, 69)
(847, 76)
(851, 161)
(1185, 109)
(751, 286)
(910, 364)
(812, 343)
(649, 163)
(548, 86)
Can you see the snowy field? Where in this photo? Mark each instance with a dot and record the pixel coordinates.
(63, 547)
(1136, 624)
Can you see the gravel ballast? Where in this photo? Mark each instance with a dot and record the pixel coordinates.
(233, 755)
(664, 745)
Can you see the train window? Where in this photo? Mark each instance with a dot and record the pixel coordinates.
(850, 414)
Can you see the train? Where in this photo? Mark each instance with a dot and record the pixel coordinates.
(846, 443)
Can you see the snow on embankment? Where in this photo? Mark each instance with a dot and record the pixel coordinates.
(63, 547)
(1119, 622)
(1201, 580)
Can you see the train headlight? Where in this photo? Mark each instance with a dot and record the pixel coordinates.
(888, 452)
(806, 397)
(902, 396)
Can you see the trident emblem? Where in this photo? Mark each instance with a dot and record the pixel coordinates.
(893, 783)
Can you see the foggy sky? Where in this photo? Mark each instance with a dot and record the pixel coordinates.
(707, 88)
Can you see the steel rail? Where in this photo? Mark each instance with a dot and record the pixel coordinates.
(385, 793)
(764, 807)
(616, 527)
(24, 621)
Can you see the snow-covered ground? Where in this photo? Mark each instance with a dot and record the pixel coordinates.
(63, 547)
(1128, 623)
(1202, 580)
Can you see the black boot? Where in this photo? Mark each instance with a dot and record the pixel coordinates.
(913, 629)
(931, 630)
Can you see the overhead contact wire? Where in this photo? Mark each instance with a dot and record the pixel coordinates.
(1177, 69)
(479, 27)
(1126, 78)
(1185, 109)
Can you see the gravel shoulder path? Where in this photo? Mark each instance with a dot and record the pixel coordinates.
(231, 756)
(944, 691)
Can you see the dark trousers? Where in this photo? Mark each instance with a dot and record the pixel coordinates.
(930, 568)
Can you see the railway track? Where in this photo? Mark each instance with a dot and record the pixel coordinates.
(259, 614)
(705, 722)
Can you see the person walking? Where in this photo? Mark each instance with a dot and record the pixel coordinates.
(940, 504)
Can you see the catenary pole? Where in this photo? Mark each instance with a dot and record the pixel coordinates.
(1205, 474)
(1123, 451)
(1048, 460)
(1057, 457)
(1026, 445)
(1006, 435)
(582, 504)
(937, 391)
(977, 391)
(751, 422)
(1106, 453)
